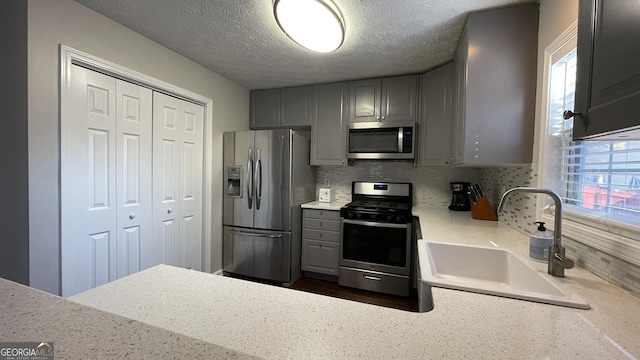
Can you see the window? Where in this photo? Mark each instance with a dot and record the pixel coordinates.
(595, 178)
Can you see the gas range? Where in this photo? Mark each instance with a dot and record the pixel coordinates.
(376, 247)
(380, 202)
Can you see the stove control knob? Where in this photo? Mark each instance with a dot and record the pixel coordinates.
(399, 218)
(389, 218)
(350, 215)
(359, 216)
(373, 216)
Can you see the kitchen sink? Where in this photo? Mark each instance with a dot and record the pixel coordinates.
(492, 271)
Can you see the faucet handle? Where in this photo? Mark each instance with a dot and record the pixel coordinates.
(564, 262)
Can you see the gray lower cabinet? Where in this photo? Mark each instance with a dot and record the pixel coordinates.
(386, 99)
(494, 96)
(608, 68)
(320, 241)
(435, 116)
(281, 108)
(328, 124)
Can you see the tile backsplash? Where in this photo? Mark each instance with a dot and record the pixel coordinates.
(430, 184)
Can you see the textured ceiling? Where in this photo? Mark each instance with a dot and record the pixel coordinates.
(240, 39)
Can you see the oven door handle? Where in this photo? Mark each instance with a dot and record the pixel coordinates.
(373, 223)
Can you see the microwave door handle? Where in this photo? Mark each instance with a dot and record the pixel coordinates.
(400, 139)
(249, 179)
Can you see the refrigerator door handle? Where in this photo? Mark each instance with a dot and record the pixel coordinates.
(270, 236)
(249, 179)
(258, 178)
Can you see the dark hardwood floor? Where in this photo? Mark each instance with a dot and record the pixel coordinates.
(333, 289)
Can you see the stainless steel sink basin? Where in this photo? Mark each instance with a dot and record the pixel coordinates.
(491, 271)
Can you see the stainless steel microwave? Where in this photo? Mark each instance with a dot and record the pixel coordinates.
(381, 140)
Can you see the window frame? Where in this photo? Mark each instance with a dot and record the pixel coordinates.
(604, 234)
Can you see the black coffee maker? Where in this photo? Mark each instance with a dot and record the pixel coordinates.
(460, 199)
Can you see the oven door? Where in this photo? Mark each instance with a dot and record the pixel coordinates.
(376, 246)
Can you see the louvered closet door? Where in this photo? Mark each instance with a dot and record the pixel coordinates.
(106, 177)
(177, 180)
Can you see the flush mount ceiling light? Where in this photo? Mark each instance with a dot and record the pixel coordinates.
(314, 24)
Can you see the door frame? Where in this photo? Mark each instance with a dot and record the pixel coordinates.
(69, 57)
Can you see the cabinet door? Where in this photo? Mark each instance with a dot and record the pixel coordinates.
(499, 101)
(320, 257)
(365, 100)
(436, 114)
(399, 98)
(328, 124)
(296, 106)
(456, 151)
(265, 109)
(608, 77)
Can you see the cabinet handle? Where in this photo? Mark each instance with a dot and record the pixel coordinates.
(169, 210)
(369, 277)
(132, 216)
(568, 114)
(383, 118)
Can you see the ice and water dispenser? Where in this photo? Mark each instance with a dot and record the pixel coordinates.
(233, 181)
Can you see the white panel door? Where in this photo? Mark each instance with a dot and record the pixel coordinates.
(177, 180)
(88, 181)
(191, 181)
(166, 176)
(135, 249)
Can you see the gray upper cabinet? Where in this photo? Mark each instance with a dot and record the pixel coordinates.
(495, 69)
(387, 99)
(265, 108)
(608, 70)
(435, 116)
(328, 124)
(281, 108)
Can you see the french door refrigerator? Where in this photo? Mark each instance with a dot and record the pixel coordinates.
(267, 177)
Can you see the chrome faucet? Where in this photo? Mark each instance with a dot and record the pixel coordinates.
(557, 260)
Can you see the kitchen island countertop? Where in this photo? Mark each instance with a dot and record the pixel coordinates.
(279, 323)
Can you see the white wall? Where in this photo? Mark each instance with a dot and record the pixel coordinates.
(55, 22)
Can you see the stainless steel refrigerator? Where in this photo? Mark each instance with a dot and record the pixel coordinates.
(267, 177)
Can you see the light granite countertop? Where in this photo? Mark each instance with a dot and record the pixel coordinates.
(334, 205)
(82, 332)
(279, 323)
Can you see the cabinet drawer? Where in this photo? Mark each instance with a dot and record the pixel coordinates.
(322, 214)
(320, 257)
(332, 236)
(321, 224)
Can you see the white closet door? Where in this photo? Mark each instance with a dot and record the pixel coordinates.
(89, 183)
(191, 167)
(166, 162)
(177, 179)
(135, 249)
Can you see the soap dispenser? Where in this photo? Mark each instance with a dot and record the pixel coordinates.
(539, 243)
